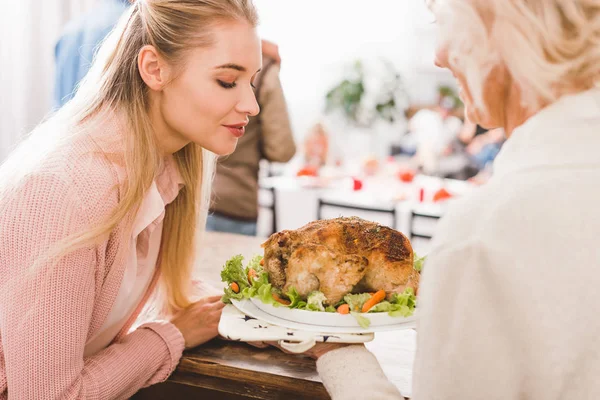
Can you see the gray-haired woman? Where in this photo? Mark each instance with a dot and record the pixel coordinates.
(509, 300)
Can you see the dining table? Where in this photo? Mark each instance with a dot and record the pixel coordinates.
(290, 202)
(222, 369)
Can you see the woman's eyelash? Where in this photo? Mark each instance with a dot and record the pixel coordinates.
(226, 85)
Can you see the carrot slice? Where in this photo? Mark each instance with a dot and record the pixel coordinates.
(251, 275)
(262, 261)
(344, 309)
(376, 298)
(235, 287)
(280, 300)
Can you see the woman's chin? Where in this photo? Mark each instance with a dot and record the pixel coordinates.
(483, 121)
(224, 149)
(475, 116)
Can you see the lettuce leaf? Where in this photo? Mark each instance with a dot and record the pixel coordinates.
(233, 271)
(294, 298)
(356, 301)
(363, 321)
(384, 306)
(257, 283)
(302, 305)
(406, 298)
(403, 304)
(230, 294)
(265, 295)
(402, 311)
(418, 262)
(255, 264)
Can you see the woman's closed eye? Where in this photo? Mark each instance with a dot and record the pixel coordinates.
(231, 85)
(226, 85)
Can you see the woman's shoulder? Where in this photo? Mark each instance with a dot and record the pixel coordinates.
(496, 211)
(78, 166)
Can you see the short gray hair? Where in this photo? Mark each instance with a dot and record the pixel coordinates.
(550, 47)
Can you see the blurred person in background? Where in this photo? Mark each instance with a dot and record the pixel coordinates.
(485, 147)
(432, 132)
(316, 146)
(472, 152)
(101, 206)
(509, 299)
(269, 136)
(81, 38)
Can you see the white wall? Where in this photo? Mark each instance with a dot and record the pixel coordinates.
(318, 38)
(28, 31)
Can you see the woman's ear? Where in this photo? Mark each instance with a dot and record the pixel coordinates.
(153, 69)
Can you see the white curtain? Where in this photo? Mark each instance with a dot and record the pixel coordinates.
(29, 30)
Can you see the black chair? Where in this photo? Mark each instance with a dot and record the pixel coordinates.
(346, 206)
(412, 232)
(270, 207)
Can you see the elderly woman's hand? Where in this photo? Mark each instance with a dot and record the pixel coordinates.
(315, 352)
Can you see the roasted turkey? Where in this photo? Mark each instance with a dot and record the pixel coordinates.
(340, 256)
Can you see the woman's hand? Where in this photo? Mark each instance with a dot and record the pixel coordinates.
(199, 322)
(270, 49)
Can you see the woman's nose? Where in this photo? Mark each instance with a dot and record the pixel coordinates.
(441, 57)
(248, 104)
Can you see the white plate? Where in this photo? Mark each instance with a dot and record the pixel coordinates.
(324, 322)
(236, 325)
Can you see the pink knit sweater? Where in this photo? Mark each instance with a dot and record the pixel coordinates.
(47, 314)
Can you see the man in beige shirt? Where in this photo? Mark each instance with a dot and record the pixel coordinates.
(268, 136)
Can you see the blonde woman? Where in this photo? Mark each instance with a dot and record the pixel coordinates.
(509, 300)
(101, 205)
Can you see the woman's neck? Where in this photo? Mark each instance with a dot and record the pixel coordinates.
(515, 112)
(168, 140)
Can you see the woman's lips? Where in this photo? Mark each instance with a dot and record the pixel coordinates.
(237, 131)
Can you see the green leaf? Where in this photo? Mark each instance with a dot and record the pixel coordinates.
(294, 297)
(265, 295)
(363, 321)
(418, 262)
(403, 311)
(403, 304)
(234, 272)
(301, 305)
(255, 264)
(230, 294)
(356, 301)
(384, 306)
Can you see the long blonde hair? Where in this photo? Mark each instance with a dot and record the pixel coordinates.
(114, 82)
(550, 47)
